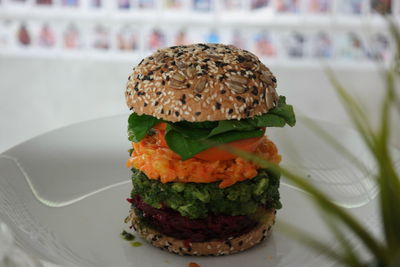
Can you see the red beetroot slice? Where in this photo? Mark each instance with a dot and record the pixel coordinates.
(171, 223)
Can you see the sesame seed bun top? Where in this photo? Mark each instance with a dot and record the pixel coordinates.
(201, 82)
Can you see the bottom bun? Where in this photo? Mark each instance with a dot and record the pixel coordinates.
(210, 248)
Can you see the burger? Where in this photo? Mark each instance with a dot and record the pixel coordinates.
(190, 196)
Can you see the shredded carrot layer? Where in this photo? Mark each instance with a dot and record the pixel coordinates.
(163, 164)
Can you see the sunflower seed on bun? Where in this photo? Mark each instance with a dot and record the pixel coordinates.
(201, 82)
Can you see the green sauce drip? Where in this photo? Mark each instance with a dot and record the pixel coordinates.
(136, 244)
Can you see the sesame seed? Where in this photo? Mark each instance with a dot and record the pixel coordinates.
(254, 91)
(240, 99)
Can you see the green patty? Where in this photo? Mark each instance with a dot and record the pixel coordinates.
(196, 200)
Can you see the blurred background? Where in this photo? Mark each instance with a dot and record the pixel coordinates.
(66, 61)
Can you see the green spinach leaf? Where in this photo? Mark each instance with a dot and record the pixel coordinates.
(198, 124)
(285, 111)
(268, 120)
(188, 146)
(234, 136)
(139, 125)
(191, 133)
(184, 146)
(232, 125)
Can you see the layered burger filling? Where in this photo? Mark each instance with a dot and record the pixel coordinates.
(187, 186)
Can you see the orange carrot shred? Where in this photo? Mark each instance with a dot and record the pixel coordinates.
(161, 163)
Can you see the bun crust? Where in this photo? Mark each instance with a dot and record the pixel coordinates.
(201, 82)
(211, 248)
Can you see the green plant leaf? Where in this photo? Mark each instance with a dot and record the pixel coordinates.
(350, 255)
(354, 111)
(388, 179)
(328, 138)
(326, 204)
(396, 35)
(306, 239)
(323, 202)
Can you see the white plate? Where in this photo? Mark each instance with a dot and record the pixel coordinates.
(63, 194)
